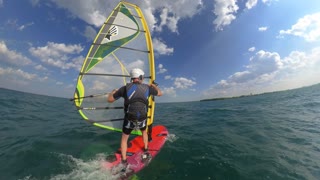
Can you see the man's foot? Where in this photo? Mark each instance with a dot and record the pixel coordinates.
(124, 164)
(146, 157)
(145, 149)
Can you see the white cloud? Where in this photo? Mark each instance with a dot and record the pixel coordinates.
(264, 62)
(262, 67)
(225, 12)
(13, 23)
(161, 48)
(238, 77)
(11, 73)
(307, 27)
(252, 49)
(59, 83)
(95, 11)
(40, 67)
(90, 33)
(169, 92)
(183, 83)
(77, 62)
(268, 2)
(99, 85)
(264, 28)
(1, 3)
(136, 64)
(58, 55)
(180, 84)
(161, 69)
(267, 71)
(171, 12)
(12, 57)
(251, 3)
(22, 27)
(42, 79)
(166, 20)
(299, 60)
(15, 78)
(148, 14)
(167, 77)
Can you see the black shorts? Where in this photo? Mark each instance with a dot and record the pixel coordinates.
(128, 126)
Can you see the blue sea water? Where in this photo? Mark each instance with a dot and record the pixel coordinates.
(269, 136)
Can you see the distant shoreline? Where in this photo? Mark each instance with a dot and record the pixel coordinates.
(235, 97)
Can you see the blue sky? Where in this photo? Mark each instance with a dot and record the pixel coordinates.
(204, 49)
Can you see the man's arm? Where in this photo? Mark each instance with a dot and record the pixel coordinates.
(156, 88)
(110, 96)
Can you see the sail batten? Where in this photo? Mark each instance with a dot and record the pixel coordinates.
(123, 42)
(117, 75)
(106, 120)
(123, 27)
(97, 108)
(121, 47)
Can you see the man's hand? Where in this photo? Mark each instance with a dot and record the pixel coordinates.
(153, 82)
(110, 96)
(155, 85)
(152, 85)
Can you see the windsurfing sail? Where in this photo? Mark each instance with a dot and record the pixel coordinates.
(123, 43)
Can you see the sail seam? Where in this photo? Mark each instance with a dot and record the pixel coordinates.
(121, 47)
(107, 120)
(123, 27)
(101, 74)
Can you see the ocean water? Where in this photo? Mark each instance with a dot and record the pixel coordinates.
(270, 136)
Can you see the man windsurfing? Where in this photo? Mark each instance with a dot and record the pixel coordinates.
(135, 95)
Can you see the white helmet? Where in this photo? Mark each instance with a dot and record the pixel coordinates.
(136, 73)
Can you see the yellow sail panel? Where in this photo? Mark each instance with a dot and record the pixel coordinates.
(123, 42)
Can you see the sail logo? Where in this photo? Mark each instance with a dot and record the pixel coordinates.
(113, 31)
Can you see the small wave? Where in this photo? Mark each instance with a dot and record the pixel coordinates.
(311, 104)
(172, 137)
(28, 178)
(80, 169)
(84, 169)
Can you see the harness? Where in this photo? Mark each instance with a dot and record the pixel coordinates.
(136, 106)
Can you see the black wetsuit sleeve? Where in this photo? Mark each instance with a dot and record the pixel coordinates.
(120, 93)
(153, 91)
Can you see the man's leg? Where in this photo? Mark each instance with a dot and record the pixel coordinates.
(145, 138)
(124, 141)
(146, 155)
